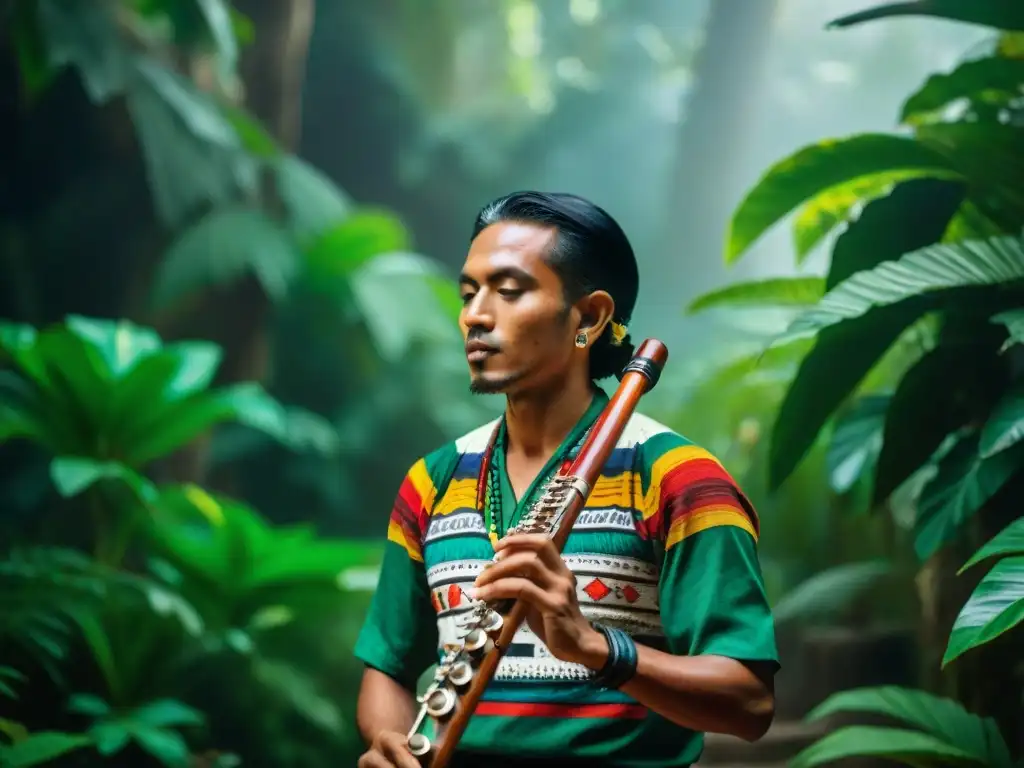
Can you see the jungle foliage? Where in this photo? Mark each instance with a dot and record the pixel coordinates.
(147, 618)
(902, 364)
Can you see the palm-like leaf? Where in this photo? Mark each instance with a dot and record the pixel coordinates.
(45, 593)
(95, 392)
(945, 731)
(770, 292)
(995, 606)
(996, 79)
(1003, 14)
(924, 275)
(874, 161)
(234, 565)
(965, 481)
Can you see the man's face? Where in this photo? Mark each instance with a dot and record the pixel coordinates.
(518, 330)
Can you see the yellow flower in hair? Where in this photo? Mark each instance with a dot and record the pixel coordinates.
(618, 333)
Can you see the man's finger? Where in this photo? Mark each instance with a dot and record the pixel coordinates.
(513, 587)
(394, 748)
(374, 760)
(526, 565)
(533, 542)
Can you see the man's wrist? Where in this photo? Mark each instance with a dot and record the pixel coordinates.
(593, 649)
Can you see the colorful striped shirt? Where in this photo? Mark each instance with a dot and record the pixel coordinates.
(664, 549)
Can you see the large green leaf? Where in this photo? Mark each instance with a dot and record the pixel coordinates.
(121, 344)
(226, 245)
(72, 475)
(913, 215)
(842, 356)
(928, 405)
(345, 247)
(40, 748)
(1003, 14)
(907, 747)
(85, 36)
(769, 292)
(856, 441)
(995, 606)
(1009, 541)
(1005, 425)
(944, 719)
(964, 482)
(1014, 322)
(826, 211)
(990, 155)
(313, 202)
(406, 298)
(176, 423)
(822, 167)
(924, 274)
(995, 79)
(194, 157)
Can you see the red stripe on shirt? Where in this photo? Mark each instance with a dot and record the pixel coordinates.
(516, 709)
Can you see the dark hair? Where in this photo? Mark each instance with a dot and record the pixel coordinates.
(592, 253)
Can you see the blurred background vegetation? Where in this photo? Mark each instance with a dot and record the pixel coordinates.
(227, 237)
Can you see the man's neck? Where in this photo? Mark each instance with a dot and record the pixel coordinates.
(537, 422)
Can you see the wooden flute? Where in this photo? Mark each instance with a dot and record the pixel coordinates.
(464, 672)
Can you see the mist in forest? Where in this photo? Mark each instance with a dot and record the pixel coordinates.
(229, 237)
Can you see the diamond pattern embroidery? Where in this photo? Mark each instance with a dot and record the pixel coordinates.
(630, 593)
(454, 596)
(597, 590)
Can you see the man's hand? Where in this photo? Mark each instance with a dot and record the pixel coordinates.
(529, 567)
(388, 751)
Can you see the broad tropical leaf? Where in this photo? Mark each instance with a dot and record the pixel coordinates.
(1009, 541)
(915, 214)
(1014, 322)
(829, 593)
(404, 298)
(842, 356)
(41, 748)
(72, 475)
(85, 36)
(1002, 14)
(922, 275)
(234, 565)
(1005, 425)
(226, 245)
(194, 158)
(826, 211)
(345, 247)
(995, 606)
(928, 405)
(941, 718)
(964, 482)
(313, 202)
(989, 154)
(856, 441)
(770, 292)
(95, 389)
(993, 79)
(908, 747)
(822, 167)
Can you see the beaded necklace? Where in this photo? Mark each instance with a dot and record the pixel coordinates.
(489, 500)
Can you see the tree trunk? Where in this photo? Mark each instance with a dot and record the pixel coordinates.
(714, 136)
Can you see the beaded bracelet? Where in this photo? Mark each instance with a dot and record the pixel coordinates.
(620, 666)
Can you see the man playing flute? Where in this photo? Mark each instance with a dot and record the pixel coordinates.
(651, 627)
